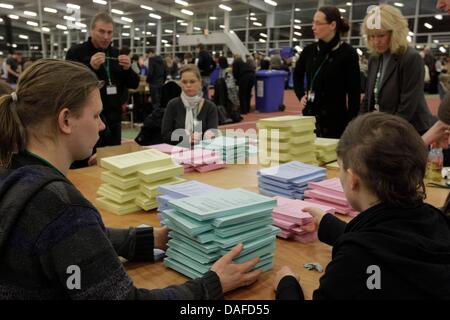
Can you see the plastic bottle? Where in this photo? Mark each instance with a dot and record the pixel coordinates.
(435, 164)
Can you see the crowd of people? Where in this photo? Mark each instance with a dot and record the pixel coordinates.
(60, 110)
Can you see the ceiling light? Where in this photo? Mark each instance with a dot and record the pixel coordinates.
(61, 27)
(81, 25)
(224, 7)
(183, 3)
(258, 24)
(151, 24)
(263, 35)
(272, 3)
(69, 18)
(102, 2)
(45, 29)
(32, 23)
(439, 16)
(197, 28)
(154, 16)
(126, 19)
(6, 6)
(50, 10)
(13, 16)
(146, 7)
(168, 31)
(117, 11)
(212, 18)
(125, 34)
(342, 10)
(398, 4)
(298, 34)
(298, 27)
(22, 36)
(30, 13)
(73, 6)
(427, 25)
(189, 13)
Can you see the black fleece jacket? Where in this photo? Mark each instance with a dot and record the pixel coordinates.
(411, 247)
(46, 226)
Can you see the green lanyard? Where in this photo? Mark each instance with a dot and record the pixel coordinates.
(317, 72)
(108, 73)
(377, 88)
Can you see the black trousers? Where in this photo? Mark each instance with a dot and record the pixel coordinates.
(245, 84)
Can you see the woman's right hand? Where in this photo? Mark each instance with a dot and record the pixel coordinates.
(234, 275)
(317, 215)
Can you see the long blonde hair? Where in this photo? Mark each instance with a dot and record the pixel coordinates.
(391, 19)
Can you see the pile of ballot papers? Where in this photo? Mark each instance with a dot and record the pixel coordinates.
(206, 227)
(286, 138)
(198, 159)
(233, 150)
(326, 150)
(288, 180)
(293, 222)
(329, 193)
(182, 190)
(131, 179)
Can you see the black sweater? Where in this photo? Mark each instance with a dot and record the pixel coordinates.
(46, 226)
(175, 116)
(337, 80)
(122, 79)
(410, 246)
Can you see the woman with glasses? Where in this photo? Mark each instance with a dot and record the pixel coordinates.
(190, 117)
(396, 71)
(327, 76)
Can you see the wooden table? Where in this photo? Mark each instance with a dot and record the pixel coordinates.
(288, 252)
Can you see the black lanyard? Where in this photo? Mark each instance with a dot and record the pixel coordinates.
(108, 72)
(313, 79)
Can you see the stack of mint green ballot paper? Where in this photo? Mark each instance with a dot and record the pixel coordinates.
(234, 150)
(204, 228)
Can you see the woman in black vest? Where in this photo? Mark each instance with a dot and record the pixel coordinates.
(331, 89)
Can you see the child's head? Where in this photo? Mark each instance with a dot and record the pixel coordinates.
(51, 102)
(384, 155)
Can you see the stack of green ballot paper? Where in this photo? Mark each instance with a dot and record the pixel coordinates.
(234, 150)
(326, 150)
(286, 138)
(204, 228)
(131, 180)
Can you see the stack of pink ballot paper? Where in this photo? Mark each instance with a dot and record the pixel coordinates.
(293, 222)
(329, 193)
(198, 159)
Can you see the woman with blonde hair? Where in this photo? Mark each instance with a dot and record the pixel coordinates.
(395, 77)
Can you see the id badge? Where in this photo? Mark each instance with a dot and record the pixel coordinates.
(111, 90)
(311, 96)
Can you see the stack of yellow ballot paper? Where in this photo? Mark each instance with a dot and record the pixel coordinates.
(131, 181)
(286, 138)
(326, 150)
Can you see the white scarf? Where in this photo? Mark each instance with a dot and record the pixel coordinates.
(191, 104)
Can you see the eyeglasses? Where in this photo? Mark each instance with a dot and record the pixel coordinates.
(317, 23)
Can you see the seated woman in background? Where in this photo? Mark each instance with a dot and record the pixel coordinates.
(395, 77)
(398, 247)
(189, 118)
(47, 225)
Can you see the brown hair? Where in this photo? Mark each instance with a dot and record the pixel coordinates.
(5, 88)
(191, 68)
(333, 14)
(101, 16)
(389, 156)
(42, 91)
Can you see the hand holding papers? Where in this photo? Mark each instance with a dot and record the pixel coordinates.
(234, 275)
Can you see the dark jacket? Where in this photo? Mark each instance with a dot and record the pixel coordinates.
(122, 79)
(241, 70)
(401, 90)
(47, 226)
(156, 71)
(175, 116)
(336, 86)
(205, 63)
(411, 247)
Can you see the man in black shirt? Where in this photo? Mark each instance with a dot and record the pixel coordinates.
(111, 67)
(13, 67)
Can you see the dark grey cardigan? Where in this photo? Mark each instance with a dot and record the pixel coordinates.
(175, 115)
(401, 90)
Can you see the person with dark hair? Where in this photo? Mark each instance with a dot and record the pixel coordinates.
(112, 67)
(396, 235)
(332, 91)
(245, 77)
(156, 76)
(48, 227)
(395, 76)
(206, 65)
(13, 67)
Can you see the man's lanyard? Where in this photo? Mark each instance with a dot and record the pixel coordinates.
(377, 88)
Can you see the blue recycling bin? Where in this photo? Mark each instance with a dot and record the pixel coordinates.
(270, 90)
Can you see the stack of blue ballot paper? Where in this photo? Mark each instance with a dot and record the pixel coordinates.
(206, 227)
(289, 180)
(234, 150)
(182, 190)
